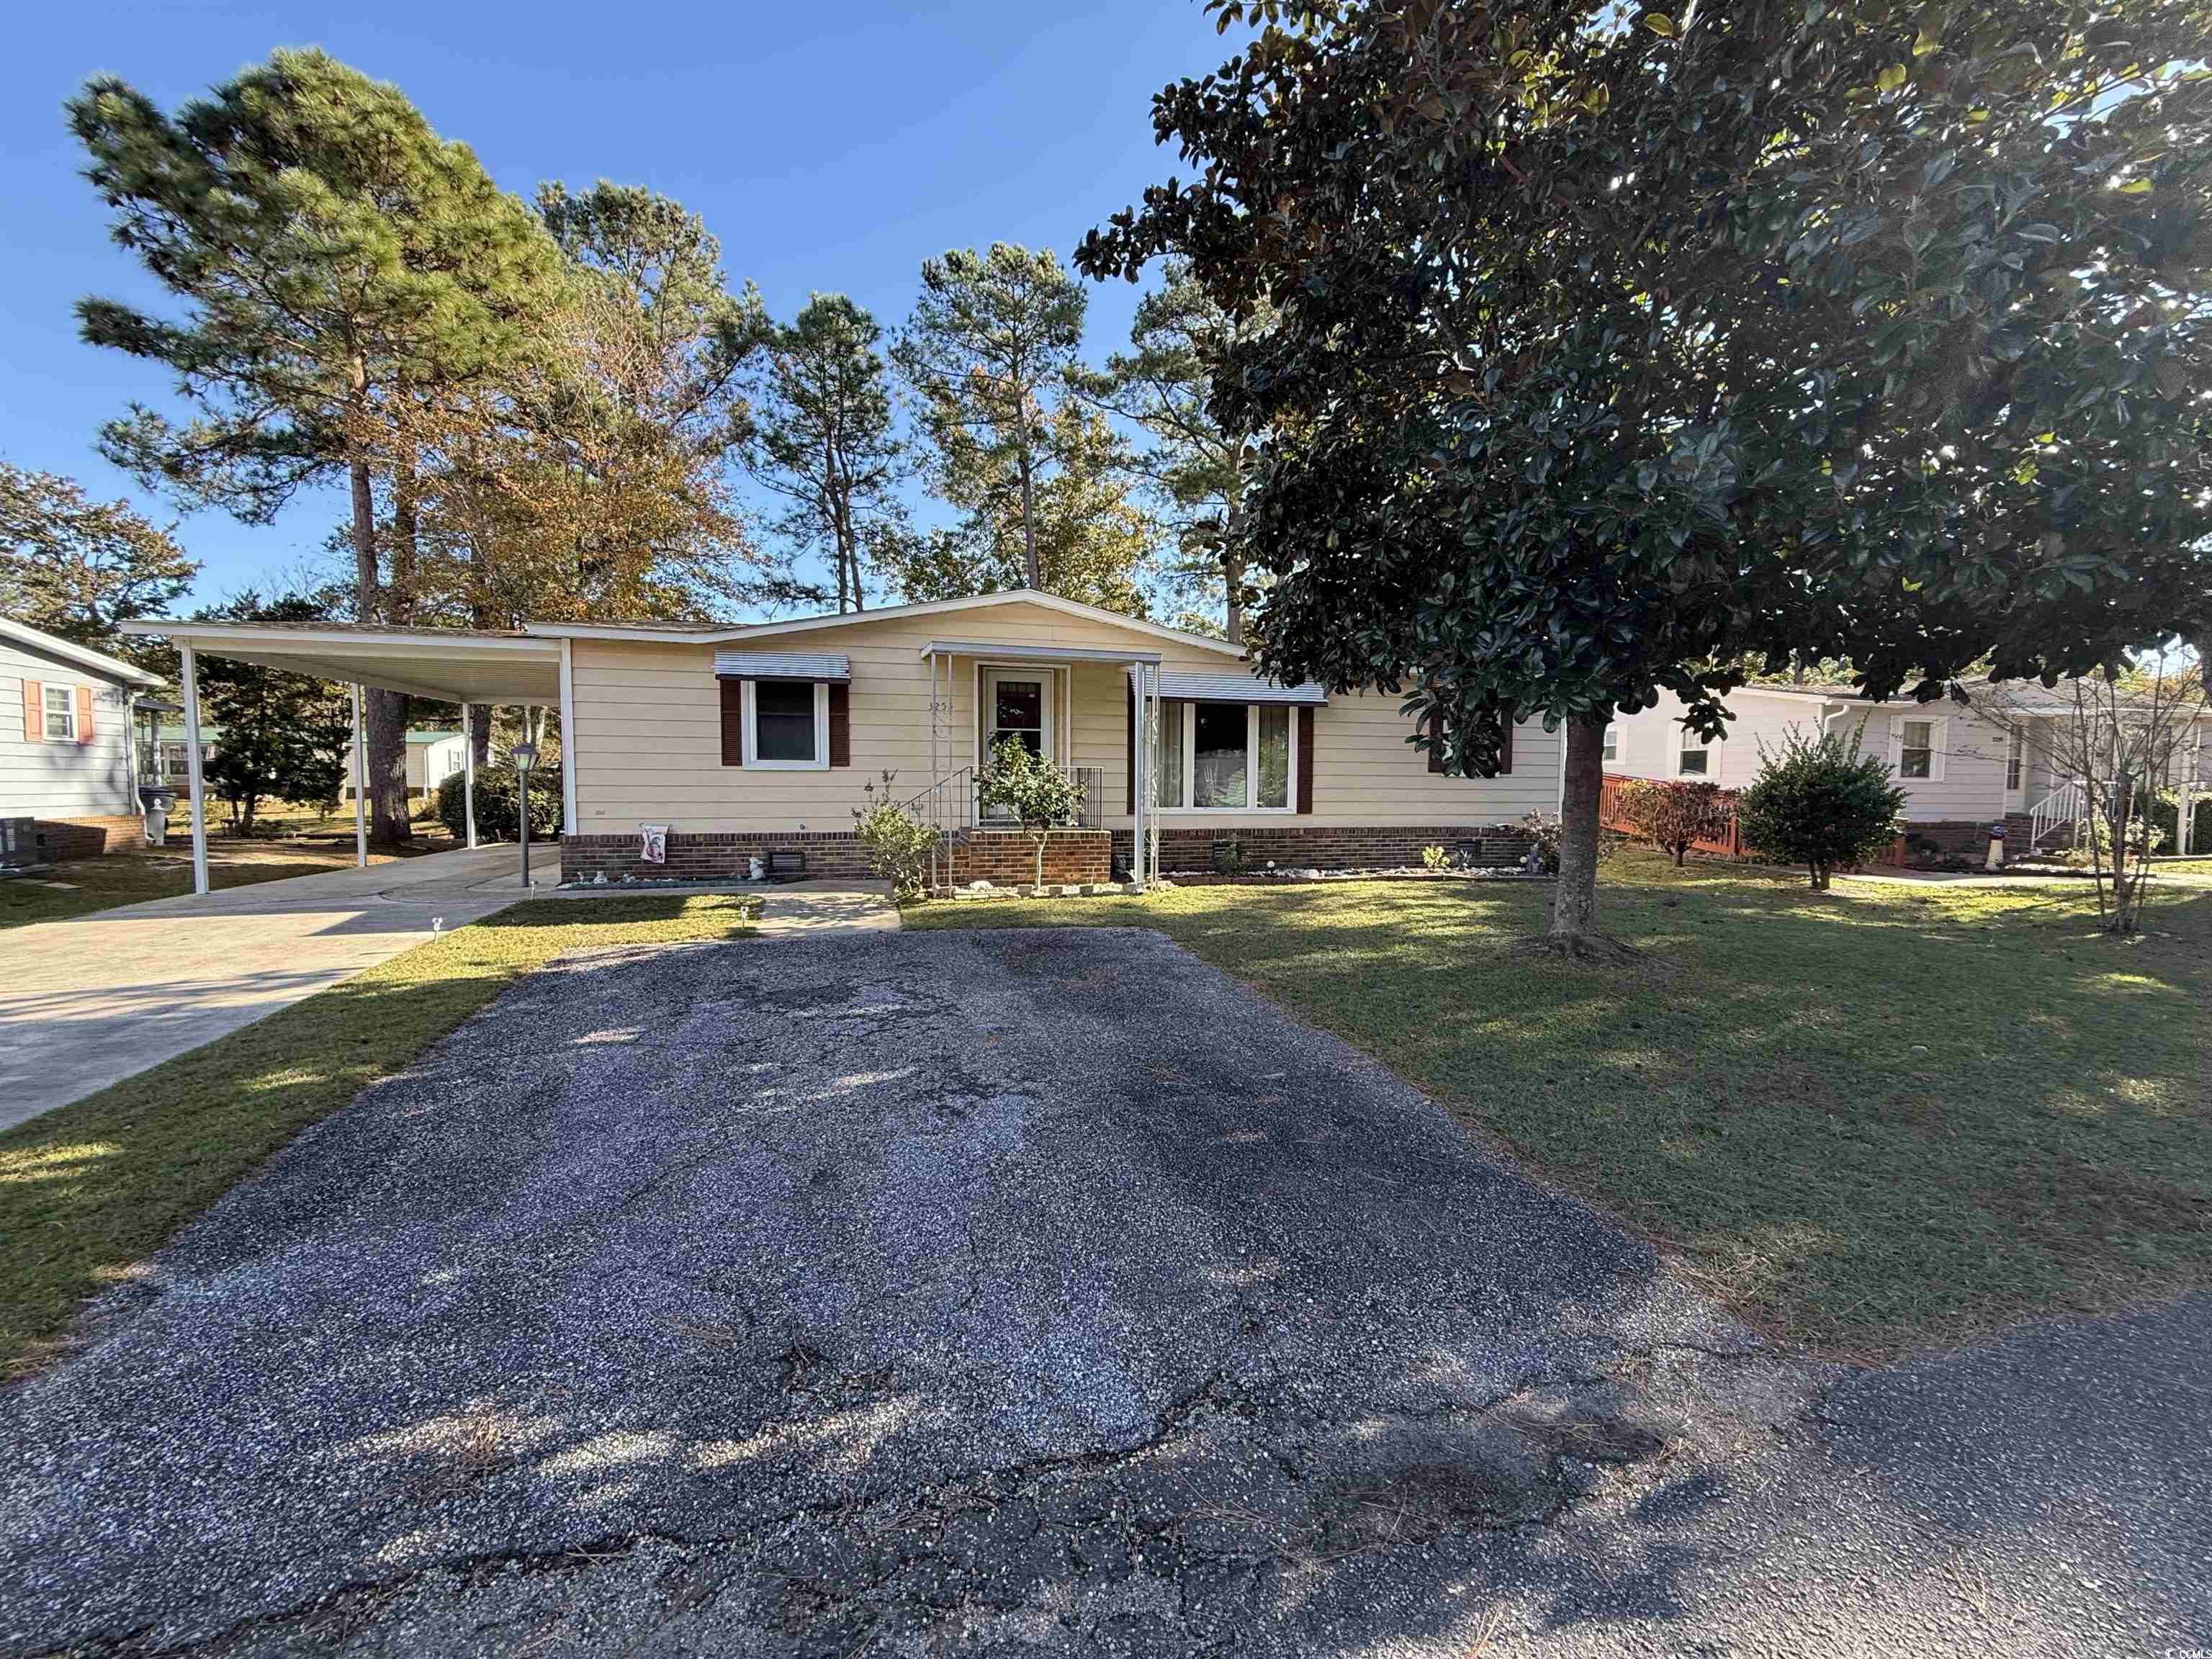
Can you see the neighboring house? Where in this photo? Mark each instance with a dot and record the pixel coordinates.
(66, 743)
(1962, 767)
(744, 739)
(168, 763)
(432, 758)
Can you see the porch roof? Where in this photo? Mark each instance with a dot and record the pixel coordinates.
(448, 665)
(1001, 651)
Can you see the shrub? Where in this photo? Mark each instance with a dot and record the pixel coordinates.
(1820, 802)
(899, 844)
(1675, 816)
(1434, 858)
(496, 816)
(1225, 857)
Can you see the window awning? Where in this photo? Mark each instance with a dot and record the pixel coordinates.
(783, 665)
(1238, 688)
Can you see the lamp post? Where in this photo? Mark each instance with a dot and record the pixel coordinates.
(526, 757)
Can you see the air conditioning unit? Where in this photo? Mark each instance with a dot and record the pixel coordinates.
(18, 843)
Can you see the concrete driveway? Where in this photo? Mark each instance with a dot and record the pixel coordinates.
(89, 1001)
(1020, 1292)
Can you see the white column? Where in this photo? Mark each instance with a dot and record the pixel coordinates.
(568, 824)
(360, 787)
(469, 771)
(192, 770)
(1137, 790)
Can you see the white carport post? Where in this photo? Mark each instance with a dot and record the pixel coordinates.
(1141, 789)
(192, 768)
(567, 742)
(360, 787)
(469, 771)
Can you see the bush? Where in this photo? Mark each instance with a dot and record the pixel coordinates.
(1675, 816)
(1820, 802)
(1434, 858)
(899, 844)
(496, 817)
(1225, 857)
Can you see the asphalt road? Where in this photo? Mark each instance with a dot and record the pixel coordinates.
(1024, 1292)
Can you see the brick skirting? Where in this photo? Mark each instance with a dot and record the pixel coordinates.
(713, 857)
(87, 838)
(1007, 858)
(1318, 846)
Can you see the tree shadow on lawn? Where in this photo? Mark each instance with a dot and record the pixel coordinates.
(1862, 1121)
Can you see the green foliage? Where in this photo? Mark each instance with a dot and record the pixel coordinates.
(825, 441)
(74, 567)
(499, 817)
(1035, 791)
(1820, 802)
(1609, 360)
(1674, 816)
(284, 735)
(1434, 858)
(899, 845)
(1225, 855)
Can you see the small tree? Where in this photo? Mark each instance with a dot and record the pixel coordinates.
(1675, 817)
(902, 848)
(1820, 802)
(1033, 790)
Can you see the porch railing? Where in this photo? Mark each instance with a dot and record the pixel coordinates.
(1089, 814)
(2064, 807)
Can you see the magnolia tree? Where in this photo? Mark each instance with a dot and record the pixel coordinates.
(1619, 351)
(1031, 790)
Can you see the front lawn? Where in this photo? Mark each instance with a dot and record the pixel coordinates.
(1874, 1119)
(89, 1190)
(57, 892)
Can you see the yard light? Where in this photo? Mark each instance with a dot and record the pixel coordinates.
(526, 757)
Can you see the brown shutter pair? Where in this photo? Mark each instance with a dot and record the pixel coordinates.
(733, 723)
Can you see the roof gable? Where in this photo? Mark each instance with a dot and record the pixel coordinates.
(77, 656)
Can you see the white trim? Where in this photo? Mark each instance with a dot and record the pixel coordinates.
(1189, 762)
(892, 613)
(821, 760)
(458, 638)
(82, 656)
(1005, 652)
(569, 823)
(1689, 743)
(1939, 740)
(46, 689)
(1610, 754)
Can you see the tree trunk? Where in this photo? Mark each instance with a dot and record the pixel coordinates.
(480, 716)
(1034, 576)
(384, 713)
(1574, 904)
(1232, 572)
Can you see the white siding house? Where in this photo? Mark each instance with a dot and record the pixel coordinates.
(66, 736)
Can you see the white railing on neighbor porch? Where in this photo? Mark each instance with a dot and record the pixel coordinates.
(2064, 807)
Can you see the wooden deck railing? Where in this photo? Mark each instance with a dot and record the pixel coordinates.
(1611, 816)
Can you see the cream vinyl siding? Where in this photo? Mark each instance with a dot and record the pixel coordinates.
(1973, 764)
(63, 779)
(649, 734)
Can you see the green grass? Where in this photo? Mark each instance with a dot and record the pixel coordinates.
(89, 1190)
(128, 877)
(1876, 1119)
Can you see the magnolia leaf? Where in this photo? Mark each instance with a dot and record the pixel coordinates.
(1891, 78)
(2136, 187)
(1660, 24)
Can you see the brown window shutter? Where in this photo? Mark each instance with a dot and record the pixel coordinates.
(84, 723)
(1436, 743)
(733, 721)
(841, 725)
(1131, 796)
(34, 711)
(1305, 760)
(1505, 749)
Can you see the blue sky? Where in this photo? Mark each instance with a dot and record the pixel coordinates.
(830, 146)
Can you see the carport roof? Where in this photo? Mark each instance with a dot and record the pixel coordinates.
(449, 664)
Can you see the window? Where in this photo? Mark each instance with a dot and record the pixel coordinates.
(1226, 757)
(1916, 749)
(2015, 757)
(1693, 759)
(788, 724)
(1611, 742)
(61, 712)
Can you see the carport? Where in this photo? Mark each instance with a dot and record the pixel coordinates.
(447, 665)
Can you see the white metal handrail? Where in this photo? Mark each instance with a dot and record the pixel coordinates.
(2065, 805)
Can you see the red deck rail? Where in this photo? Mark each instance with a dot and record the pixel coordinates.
(1611, 816)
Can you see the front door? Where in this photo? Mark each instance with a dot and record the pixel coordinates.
(1017, 704)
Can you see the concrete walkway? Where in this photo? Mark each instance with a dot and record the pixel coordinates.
(89, 1001)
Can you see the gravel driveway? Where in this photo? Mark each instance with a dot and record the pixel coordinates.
(1014, 1292)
